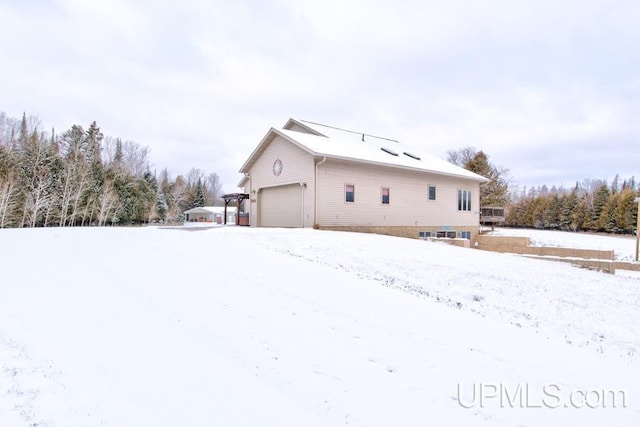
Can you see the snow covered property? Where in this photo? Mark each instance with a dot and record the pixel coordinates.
(291, 327)
(311, 175)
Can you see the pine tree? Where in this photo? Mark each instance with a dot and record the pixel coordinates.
(199, 199)
(569, 203)
(607, 219)
(626, 211)
(600, 199)
(91, 149)
(553, 212)
(118, 156)
(161, 206)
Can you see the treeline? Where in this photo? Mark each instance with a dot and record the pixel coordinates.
(593, 205)
(81, 177)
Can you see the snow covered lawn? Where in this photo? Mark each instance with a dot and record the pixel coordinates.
(623, 245)
(234, 326)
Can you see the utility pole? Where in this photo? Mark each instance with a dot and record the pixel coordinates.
(638, 229)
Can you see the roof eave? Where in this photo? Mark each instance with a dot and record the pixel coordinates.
(479, 179)
(302, 125)
(243, 181)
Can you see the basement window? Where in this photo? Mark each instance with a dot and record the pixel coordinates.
(465, 235)
(386, 150)
(424, 234)
(446, 234)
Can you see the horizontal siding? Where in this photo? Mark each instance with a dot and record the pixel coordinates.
(409, 204)
(297, 167)
(281, 206)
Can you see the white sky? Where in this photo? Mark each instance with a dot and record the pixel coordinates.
(549, 89)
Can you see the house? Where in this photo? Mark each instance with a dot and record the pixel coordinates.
(213, 214)
(312, 175)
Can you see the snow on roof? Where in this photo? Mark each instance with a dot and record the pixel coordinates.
(327, 141)
(211, 209)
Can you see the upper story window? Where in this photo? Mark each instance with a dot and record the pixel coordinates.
(432, 192)
(349, 193)
(464, 200)
(385, 196)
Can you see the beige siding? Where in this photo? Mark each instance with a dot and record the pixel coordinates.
(409, 204)
(298, 168)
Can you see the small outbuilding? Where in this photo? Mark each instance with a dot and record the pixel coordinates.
(211, 214)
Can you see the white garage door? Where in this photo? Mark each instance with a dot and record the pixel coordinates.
(281, 206)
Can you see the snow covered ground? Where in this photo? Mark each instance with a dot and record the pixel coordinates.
(241, 327)
(623, 245)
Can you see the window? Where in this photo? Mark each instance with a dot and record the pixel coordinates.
(424, 234)
(447, 234)
(432, 192)
(465, 235)
(385, 196)
(464, 200)
(349, 193)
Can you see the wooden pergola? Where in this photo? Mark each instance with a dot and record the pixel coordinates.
(238, 197)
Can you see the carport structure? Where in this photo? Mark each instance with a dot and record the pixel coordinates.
(238, 197)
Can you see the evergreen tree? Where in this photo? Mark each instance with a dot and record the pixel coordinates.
(599, 201)
(199, 194)
(118, 156)
(496, 191)
(626, 212)
(161, 206)
(607, 219)
(92, 148)
(553, 212)
(568, 205)
(198, 199)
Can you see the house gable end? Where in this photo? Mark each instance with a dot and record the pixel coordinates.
(298, 126)
(266, 141)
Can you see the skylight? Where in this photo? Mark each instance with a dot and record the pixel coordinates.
(386, 150)
(411, 155)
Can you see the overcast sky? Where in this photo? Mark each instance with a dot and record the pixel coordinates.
(548, 89)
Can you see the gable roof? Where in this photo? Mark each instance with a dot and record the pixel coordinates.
(331, 142)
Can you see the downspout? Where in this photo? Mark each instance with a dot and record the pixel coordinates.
(315, 194)
(303, 186)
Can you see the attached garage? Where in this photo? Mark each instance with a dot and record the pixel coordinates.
(281, 206)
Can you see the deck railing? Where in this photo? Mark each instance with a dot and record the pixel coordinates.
(492, 215)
